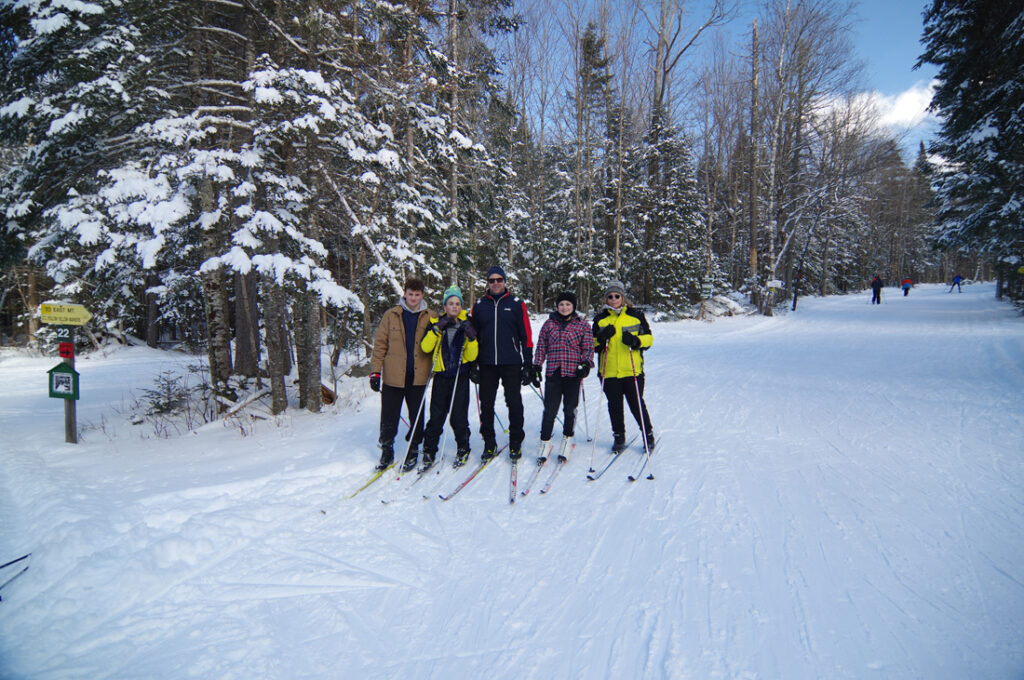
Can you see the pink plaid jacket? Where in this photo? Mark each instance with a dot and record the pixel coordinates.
(564, 345)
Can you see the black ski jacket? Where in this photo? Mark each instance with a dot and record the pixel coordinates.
(503, 329)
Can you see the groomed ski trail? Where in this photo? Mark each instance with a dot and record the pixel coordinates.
(837, 495)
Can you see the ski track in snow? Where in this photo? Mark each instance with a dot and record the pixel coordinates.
(839, 493)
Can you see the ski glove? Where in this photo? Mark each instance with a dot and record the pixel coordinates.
(526, 376)
(631, 341)
(538, 375)
(442, 323)
(582, 369)
(474, 372)
(605, 333)
(469, 329)
(375, 382)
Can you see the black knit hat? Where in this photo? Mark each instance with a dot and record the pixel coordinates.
(571, 297)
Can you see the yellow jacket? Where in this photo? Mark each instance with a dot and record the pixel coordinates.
(436, 341)
(614, 359)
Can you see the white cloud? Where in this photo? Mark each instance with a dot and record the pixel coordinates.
(907, 109)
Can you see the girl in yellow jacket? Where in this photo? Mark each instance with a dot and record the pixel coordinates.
(621, 333)
(451, 339)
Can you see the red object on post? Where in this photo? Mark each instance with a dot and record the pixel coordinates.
(66, 350)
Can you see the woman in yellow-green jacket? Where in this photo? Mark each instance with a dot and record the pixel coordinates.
(451, 339)
(621, 334)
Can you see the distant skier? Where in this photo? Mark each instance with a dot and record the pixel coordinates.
(956, 284)
(876, 290)
(906, 286)
(621, 334)
(565, 341)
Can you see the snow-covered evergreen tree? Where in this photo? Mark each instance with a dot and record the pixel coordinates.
(978, 47)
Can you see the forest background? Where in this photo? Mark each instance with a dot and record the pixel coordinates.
(255, 178)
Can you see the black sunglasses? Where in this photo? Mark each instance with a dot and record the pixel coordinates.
(495, 280)
(613, 296)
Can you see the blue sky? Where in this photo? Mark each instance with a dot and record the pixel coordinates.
(887, 36)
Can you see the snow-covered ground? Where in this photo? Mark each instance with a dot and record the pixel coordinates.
(839, 493)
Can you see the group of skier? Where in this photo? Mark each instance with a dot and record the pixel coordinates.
(493, 345)
(877, 284)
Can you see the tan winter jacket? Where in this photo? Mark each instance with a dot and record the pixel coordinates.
(388, 357)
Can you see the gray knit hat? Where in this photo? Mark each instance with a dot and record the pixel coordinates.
(615, 287)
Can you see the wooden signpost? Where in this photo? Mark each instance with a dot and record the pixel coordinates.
(63, 377)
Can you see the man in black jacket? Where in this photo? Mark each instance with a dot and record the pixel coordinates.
(506, 356)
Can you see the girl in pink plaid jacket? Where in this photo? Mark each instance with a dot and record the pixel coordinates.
(566, 342)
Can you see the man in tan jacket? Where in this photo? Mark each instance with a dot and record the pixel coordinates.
(399, 369)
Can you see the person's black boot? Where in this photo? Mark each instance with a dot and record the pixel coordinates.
(410, 460)
(650, 441)
(428, 460)
(387, 456)
(618, 443)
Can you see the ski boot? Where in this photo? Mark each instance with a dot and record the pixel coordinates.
(490, 451)
(563, 450)
(544, 452)
(618, 443)
(514, 454)
(649, 435)
(387, 456)
(410, 460)
(461, 458)
(428, 461)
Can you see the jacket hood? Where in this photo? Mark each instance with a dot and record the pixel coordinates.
(402, 303)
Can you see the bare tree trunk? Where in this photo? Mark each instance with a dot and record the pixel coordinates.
(307, 350)
(453, 113)
(247, 338)
(752, 198)
(215, 294)
(152, 313)
(32, 302)
(278, 359)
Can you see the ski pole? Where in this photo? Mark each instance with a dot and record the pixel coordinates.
(541, 397)
(602, 374)
(640, 410)
(479, 413)
(586, 416)
(451, 402)
(15, 561)
(419, 413)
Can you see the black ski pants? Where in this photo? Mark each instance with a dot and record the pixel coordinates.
(510, 376)
(614, 391)
(440, 398)
(567, 391)
(391, 399)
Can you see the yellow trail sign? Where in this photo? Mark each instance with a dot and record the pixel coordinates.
(65, 315)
